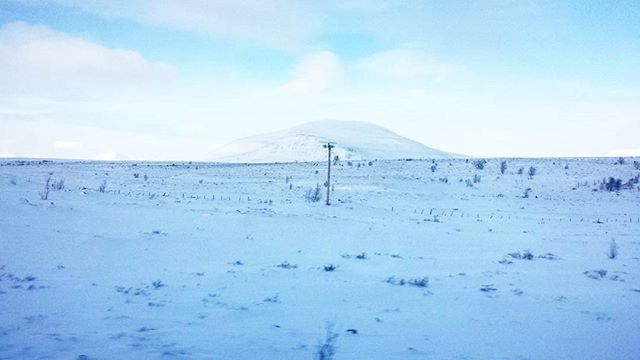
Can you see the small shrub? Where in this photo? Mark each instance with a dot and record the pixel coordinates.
(620, 161)
(329, 268)
(611, 185)
(532, 171)
(479, 164)
(613, 250)
(476, 178)
(313, 194)
(44, 195)
(527, 255)
(434, 167)
(526, 193)
(57, 185)
(102, 187)
(417, 282)
(286, 265)
(521, 171)
(503, 167)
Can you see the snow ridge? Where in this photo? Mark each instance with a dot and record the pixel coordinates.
(353, 140)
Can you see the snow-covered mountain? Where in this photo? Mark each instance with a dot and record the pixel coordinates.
(353, 140)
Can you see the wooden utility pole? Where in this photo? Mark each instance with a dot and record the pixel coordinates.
(328, 146)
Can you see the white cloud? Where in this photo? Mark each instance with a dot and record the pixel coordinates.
(61, 144)
(283, 24)
(108, 155)
(316, 72)
(37, 59)
(406, 65)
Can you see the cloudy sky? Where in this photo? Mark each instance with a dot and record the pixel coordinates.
(174, 80)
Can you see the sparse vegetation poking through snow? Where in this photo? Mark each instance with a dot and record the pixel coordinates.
(596, 274)
(636, 164)
(532, 172)
(521, 171)
(329, 268)
(613, 250)
(476, 178)
(58, 185)
(526, 193)
(525, 255)
(488, 288)
(503, 167)
(286, 265)
(313, 194)
(611, 185)
(434, 167)
(479, 164)
(102, 187)
(44, 195)
(620, 161)
(417, 282)
(361, 256)
(326, 350)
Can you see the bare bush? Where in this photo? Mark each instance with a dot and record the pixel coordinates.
(612, 184)
(44, 195)
(613, 250)
(103, 186)
(58, 185)
(313, 194)
(503, 167)
(479, 164)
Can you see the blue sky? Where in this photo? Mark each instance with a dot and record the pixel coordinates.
(172, 79)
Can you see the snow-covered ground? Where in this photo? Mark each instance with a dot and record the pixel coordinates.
(211, 261)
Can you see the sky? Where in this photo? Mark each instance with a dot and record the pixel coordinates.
(175, 80)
